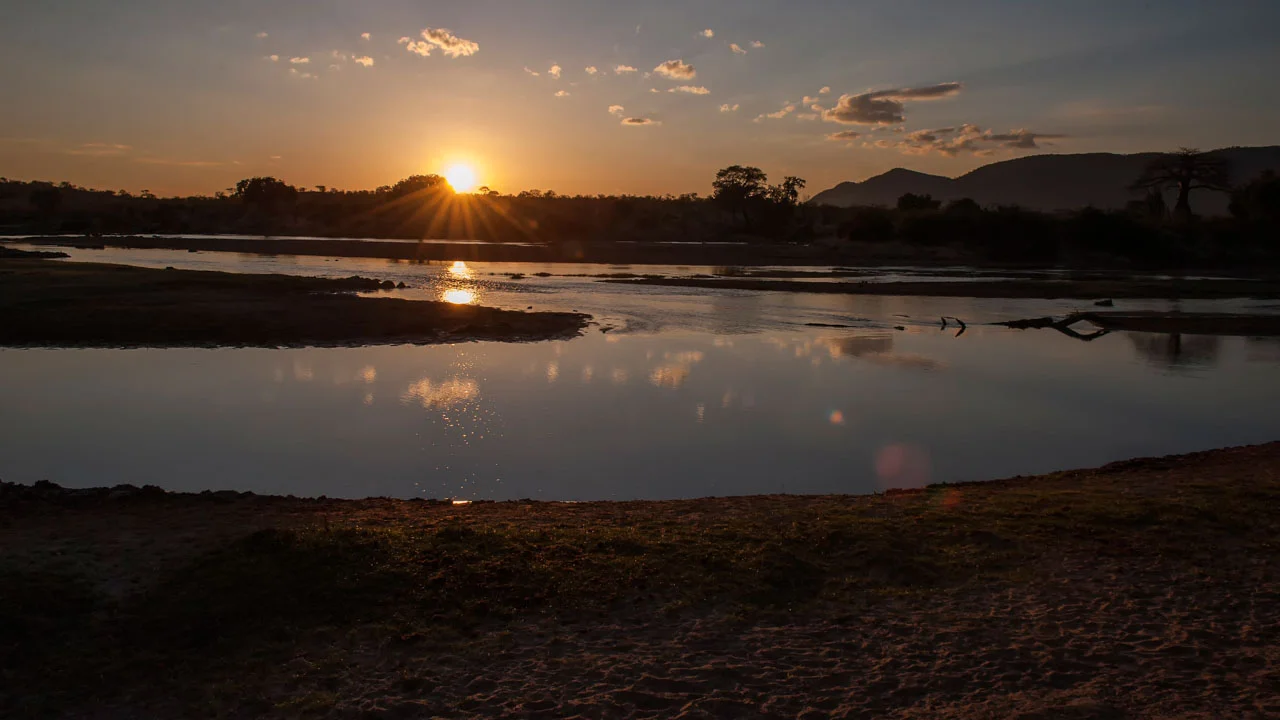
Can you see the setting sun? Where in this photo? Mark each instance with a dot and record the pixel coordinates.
(462, 178)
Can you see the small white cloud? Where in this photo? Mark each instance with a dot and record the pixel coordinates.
(690, 89)
(785, 111)
(300, 60)
(443, 40)
(736, 48)
(364, 60)
(261, 36)
(616, 109)
(304, 75)
(624, 69)
(639, 121)
(100, 150)
(532, 72)
(654, 90)
(338, 55)
(365, 36)
(708, 33)
(817, 108)
(757, 44)
(844, 135)
(273, 58)
(554, 71)
(807, 116)
(676, 70)
(826, 90)
(592, 70)
(562, 93)
(727, 108)
(277, 157)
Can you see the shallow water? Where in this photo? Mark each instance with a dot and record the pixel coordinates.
(691, 392)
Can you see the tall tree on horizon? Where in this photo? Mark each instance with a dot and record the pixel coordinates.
(1185, 170)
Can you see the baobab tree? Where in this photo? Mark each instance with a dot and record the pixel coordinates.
(1186, 170)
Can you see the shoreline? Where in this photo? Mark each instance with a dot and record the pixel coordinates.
(1144, 588)
(58, 304)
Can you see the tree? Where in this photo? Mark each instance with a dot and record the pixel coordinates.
(787, 192)
(736, 187)
(419, 184)
(1185, 170)
(266, 194)
(1259, 200)
(916, 203)
(47, 200)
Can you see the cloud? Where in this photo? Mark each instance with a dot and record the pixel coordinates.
(826, 90)
(757, 44)
(592, 70)
(338, 55)
(885, 107)
(364, 60)
(555, 71)
(616, 110)
(639, 121)
(972, 139)
(182, 163)
(737, 48)
(844, 135)
(534, 73)
(100, 150)
(690, 89)
(365, 36)
(676, 70)
(624, 69)
(273, 58)
(300, 60)
(708, 33)
(443, 40)
(262, 36)
(562, 93)
(807, 116)
(785, 111)
(727, 108)
(809, 100)
(303, 75)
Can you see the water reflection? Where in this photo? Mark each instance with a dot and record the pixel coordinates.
(432, 395)
(459, 296)
(1176, 350)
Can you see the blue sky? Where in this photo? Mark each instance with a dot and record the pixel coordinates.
(183, 97)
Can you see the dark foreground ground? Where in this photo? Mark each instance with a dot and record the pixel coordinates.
(1144, 589)
(49, 303)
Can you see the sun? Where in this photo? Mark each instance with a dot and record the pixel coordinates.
(462, 178)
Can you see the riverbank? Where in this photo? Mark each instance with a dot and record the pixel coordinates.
(1148, 588)
(49, 303)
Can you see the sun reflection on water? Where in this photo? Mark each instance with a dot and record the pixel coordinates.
(459, 296)
(460, 270)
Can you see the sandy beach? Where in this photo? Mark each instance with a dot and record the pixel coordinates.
(1143, 589)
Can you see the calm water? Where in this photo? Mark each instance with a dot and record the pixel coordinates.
(691, 393)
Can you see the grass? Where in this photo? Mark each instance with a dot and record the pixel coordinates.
(435, 576)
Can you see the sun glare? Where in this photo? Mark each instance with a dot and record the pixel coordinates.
(462, 178)
(459, 297)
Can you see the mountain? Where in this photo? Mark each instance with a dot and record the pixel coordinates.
(1046, 182)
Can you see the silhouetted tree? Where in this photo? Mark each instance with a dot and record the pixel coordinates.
(46, 200)
(916, 203)
(1259, 200)
(1185, 170)
(266, 194)
(736, 187)
(415, 184)
(963, 206)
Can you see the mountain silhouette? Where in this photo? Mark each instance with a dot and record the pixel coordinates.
(1046, 182)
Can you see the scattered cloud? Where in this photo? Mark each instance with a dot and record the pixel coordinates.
(810, 100)
(972, 139)
(555, 71)
(727, 108)
(277, 157)
(534, 73)
(365, 36)
(364, 60)
(338, 55)
(562, 93)
(885, 107)
(273, 58)
(443, 40)
(807, 116)
(262, 36)
(844, 135)
(676, 70)
(100, 150)
(690, 89)
(826, 90)
(785, 111)
(757, 44)
(638, 121)
(592, 70)
(182, 163)
(624, 69)
(737, 48)
(708, 33)
(616, 110)
(654, 90)
(300, 60)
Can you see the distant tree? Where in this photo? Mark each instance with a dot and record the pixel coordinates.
(46, 200)
(322, 188)
(911, 202)
(1259, 200)
(1185, 170)
(265, 193)
(737, 187)
(787, 192)
(963, 206)
(419, 184)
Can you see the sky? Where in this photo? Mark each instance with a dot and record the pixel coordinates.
(586, 97)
